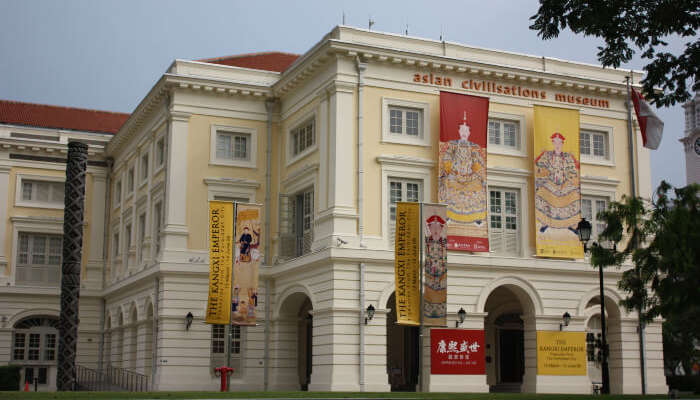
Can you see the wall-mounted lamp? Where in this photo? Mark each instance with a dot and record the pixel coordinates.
(370, 313)
(566, 318)
(188, 321)
(461, 314)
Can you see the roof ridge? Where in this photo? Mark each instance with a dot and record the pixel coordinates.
(63, 107)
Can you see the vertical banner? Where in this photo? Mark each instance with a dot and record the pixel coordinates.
(557, 182)
(220, 262)
(435, 265)
(462, 170)
(457, 352)
(561, 353)
(247, 262)
(407, 263)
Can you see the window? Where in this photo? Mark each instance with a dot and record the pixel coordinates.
(39, 259)
(115, 245)
(232, 146)
(405, 122)
(157, 219)
(142, 236)
(401, 190)
(36, 193)
(160, 152)
(296, 223)
(303, 137)
(117, 193)
(504, 237)
(504, 132)
(127, 242)
(144, 167)
(590, 208)
(130, 180)
(218, 347)
(595, 144)
(35, 340)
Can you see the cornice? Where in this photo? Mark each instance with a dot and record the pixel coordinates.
(599, 180)
(233, 182)
(300, 173)
(222, 87)
(481, 70)
(404, 161)
(503, 171)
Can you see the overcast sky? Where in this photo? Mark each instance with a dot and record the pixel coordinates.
(108, 54)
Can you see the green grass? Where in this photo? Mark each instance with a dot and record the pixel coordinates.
(310, 395)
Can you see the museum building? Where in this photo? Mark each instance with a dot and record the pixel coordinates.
(328, 142)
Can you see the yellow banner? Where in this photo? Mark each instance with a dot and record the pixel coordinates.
(557, 182)
(247, 262)
(220, 261)
(407, 263)
(561, 353)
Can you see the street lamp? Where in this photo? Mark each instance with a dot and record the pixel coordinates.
(584, 234)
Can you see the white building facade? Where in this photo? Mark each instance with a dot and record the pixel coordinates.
(328, 141)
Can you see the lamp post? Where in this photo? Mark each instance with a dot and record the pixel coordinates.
(584, 235)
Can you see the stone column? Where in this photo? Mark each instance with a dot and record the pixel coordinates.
(376, 378)
(335, 361)
(283, 357)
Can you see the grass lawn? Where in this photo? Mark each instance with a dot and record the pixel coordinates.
(310, 395)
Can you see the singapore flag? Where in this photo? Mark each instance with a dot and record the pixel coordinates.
(652, 127)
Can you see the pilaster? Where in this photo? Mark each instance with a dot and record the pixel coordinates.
(175, 231)
(96, 261)
(4, 225)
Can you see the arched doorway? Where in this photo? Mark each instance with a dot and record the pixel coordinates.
(508, 327)
(294, 328)
(401, 352)
(35, 349)
(613, 337)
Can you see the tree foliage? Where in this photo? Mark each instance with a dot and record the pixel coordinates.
(663, 242)
(628, 24)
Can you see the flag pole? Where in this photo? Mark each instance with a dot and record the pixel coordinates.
(420, 327)
(640, 326)
(230, 312)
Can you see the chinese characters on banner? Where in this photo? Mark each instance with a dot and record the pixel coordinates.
(561, 353)
(462, 170)
(407, 263)
(220, 254)
(247, 261)
(435, 265)
(457, 352)
(557, 182)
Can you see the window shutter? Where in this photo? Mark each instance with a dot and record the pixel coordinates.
(287, 244)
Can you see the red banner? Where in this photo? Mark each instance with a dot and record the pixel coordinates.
(462, 170)
(457, 352)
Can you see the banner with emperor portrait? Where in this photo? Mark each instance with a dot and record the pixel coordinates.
(246, 264)
(462, 170)
(557, 182)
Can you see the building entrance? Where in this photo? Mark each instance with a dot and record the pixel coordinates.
(305, 344)
(401, 352)
(511, 356)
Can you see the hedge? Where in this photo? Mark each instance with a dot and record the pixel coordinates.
(9, 377)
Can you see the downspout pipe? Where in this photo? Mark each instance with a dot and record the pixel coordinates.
(361, 67)
(270, 106)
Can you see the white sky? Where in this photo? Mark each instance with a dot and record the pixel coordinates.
(107, 54)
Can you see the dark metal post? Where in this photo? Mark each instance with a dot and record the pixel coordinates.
(606, 372)
(73, 212)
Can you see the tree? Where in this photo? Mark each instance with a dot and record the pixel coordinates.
(663, 242)
(645, 24)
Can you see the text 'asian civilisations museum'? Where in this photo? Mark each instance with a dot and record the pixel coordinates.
(329, 142)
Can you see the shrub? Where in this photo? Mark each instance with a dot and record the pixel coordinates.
(9, 377)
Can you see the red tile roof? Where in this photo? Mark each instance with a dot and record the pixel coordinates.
(45, 116)
(269, 61)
